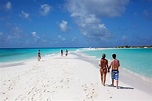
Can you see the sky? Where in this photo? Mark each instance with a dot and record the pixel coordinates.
(75, 23)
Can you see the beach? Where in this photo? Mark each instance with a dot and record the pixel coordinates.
(74, 77)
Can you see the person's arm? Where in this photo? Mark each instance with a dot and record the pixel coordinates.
(107, 64)
(118, 63)
(100, 63)
(109, 67)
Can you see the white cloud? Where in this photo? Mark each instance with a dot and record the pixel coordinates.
(35, 36)
(27, 42)
(74, 39)
(9, 37)
(147, 14)
(98, 7)
(8, 5)
(149, 0)
(1, 36)
(1, 33)
(63, 26)
(14, 33)
(24, 15)
(61, 38)
(45, 9)
(88, 15)
(101, 26)
(124, 37)
(16, 30)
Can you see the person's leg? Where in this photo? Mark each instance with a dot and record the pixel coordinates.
(105, 73)
(117, 83)
(101, 73)
(117, 77)
(112, 82)
(38, 58)
(112, 77)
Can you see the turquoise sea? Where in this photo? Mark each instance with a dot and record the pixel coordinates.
(19, 54)
(138, 61)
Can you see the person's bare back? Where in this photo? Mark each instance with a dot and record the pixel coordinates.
(103, 68)
(103, 64)
(115, 70)
(115, 64)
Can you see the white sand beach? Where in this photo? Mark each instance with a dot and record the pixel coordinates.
(71, 78)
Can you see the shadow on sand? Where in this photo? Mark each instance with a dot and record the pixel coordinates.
(120, 87)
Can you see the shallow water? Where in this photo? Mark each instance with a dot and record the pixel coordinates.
(134, 60)
(17, 54)
(138, 61)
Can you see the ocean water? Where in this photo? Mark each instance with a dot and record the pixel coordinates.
(138, 61)
(18, 54)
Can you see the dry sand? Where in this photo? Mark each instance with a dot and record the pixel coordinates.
(72, 78)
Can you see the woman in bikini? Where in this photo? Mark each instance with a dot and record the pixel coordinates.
(103, 69)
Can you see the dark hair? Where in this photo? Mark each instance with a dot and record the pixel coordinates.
(114, 56)
(103, 56)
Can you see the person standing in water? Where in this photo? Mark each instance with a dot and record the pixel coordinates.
(115, 70)
(103, 69)
(39, 55)
(61, 52)
(66, 52)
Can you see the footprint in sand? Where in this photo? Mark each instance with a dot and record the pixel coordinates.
(6, 99)
(110, 97)
(89, 91)
(61, 80)
(109, 94)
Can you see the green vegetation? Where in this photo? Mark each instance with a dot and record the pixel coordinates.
(134, 46)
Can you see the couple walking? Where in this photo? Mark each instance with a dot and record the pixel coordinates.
(104, 69)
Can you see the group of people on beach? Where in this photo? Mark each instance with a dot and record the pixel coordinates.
(39, 55)
(104, 68)
(66, 54)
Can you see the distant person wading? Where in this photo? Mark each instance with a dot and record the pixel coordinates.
(39, 55)
(61, 52)
(66, 52)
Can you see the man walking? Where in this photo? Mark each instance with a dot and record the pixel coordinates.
(115, 70)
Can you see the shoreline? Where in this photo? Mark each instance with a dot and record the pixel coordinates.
(95, 61)
(84, 57)
(142, 83)
(74, 77)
